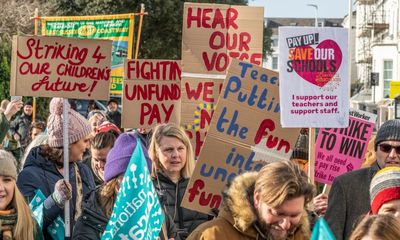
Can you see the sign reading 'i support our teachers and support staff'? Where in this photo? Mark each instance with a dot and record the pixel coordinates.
(313, 68)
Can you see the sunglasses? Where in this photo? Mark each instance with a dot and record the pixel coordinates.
(387, 148)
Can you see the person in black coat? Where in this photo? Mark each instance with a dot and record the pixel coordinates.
(173, 163)
(99, 204)
(43, 169)
(349, 198)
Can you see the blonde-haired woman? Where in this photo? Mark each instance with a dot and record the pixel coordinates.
(382, 227)
(15, 215)
(173, 163)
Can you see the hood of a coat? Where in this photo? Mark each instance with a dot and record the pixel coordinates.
(239, 209)
(35, 159)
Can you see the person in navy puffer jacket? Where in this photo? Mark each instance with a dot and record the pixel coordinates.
(43, 168)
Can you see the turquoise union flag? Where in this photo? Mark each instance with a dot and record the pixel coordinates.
(321, 231)
(137, 213)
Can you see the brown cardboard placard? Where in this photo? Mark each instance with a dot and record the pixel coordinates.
(245, 130)
(60, 67)
(212, 34)
(152, 93)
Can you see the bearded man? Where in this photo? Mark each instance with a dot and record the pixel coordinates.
(269, 205)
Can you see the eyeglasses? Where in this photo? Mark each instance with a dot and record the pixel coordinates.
(387, 148)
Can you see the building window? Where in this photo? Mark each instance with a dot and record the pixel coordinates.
(274, 63)
(387, 76)
(275, 42)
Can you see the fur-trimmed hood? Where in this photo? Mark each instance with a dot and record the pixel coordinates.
(239, 209)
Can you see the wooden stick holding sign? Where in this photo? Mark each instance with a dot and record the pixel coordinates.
(67, 220)
(311, 156)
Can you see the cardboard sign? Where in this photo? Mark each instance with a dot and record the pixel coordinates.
(341, 150)
(152, 93)
(60, 67)
(313, 65)
(212, 35)
(244, 133)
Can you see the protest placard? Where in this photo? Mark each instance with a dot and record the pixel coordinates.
(341, 150)
(212, 35)
(60, 67)
(313, 67)
(244, 133)
(152, 93)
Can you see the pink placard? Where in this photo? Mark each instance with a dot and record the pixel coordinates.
(342, 150)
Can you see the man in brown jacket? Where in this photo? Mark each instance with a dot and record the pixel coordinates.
(269, 204)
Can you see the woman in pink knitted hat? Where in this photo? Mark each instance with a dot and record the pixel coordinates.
(44, 168)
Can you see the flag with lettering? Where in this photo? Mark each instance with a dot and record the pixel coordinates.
(321, 231)
(137, 213)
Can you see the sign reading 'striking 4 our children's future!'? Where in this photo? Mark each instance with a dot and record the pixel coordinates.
(313, 70)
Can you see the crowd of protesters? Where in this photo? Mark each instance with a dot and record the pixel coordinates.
(277, 202)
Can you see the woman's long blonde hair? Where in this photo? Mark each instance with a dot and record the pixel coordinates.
(107, 194)
(171, 130)
(25, 227)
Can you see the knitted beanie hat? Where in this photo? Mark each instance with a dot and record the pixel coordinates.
(389, 131)
(119, 156)
(78, 126)
(385, 187)
(7, 163)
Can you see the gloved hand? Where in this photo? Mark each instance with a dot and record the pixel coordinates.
(62, 192)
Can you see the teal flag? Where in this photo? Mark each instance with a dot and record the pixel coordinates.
(137, 213)
(321, 231)
(56, 228)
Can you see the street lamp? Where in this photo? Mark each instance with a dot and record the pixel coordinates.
(316, 13)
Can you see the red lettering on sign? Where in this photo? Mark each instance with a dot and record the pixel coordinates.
(272, 142)
(59, 85)
(153, 112)
(212, 18)
(213, 201)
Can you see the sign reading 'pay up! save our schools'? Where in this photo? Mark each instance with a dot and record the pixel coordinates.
(244, 133)
(313, 69)
(60, 67)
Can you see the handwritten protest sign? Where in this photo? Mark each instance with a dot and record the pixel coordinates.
(341, 150)
(152, 93)
(212, 35)
(137, 213)
(313, 67)
(244, 133)
(60, 67)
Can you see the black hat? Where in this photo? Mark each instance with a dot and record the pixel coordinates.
(28, 102)
(389, 131)
(112, 100)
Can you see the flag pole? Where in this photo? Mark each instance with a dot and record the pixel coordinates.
(139, 30)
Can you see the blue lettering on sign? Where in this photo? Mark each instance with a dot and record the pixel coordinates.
(258, 95)
(237, 160)
(233, 128)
